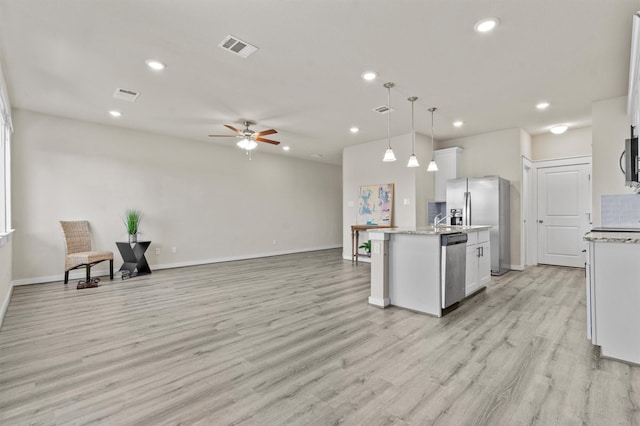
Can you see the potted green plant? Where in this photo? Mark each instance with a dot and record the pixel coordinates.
(131, 221)
(367, 247)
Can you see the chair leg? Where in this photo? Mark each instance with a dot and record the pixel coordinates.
(66, 277)
(111, 268)
(88, 273)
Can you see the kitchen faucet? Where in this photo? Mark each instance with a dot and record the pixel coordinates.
(438, 220)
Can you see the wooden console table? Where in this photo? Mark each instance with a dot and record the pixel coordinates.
(355, 236)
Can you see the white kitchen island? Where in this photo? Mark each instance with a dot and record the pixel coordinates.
(613, 293)
(406, 266)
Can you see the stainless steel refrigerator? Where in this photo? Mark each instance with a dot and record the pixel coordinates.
(484, 201)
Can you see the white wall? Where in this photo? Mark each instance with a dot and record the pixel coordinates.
(525, 144)
(610, 129)
(497, 153)
(363, 165)
(572, 143)
(208, 201)
(425, 181)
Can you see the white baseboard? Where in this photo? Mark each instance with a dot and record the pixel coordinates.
(5, 304)
(516, 267)
(381, 303)
(100, 272)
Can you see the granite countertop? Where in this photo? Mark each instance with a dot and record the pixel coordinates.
(433, 230)
(613, 237)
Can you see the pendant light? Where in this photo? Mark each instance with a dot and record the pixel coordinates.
(413, 160)
(388, 154)
(432, 167)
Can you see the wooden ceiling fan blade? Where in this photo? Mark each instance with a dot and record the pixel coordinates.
(222, 136)
(233, 128)
(266, 132)
(268, 141)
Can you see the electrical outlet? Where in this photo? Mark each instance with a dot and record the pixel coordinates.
(157, 251)
(174, 249)
(274, 242)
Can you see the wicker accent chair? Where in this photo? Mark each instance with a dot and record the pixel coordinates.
(77, 242)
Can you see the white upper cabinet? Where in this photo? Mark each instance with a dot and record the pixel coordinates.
(447, 161)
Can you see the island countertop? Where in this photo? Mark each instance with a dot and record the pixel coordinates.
(613, 237)
(432, 230)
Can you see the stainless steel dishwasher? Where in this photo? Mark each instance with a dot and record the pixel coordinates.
(453, 268)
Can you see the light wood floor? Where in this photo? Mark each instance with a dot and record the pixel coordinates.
(292, 340)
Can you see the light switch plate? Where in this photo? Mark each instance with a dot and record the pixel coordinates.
(407, 201)
(350, 204)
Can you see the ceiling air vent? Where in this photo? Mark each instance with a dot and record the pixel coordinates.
(383, 109)
(237, 46)
(126, 95)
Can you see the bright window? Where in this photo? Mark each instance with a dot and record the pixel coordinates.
(5, 178)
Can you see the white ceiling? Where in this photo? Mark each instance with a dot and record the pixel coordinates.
(66, 57)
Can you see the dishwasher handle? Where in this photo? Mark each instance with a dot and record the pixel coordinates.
(453, 239)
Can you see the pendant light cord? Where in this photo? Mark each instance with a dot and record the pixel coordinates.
(389, 116)
(389, 86)
(413, 129)
(413, 160)
(433, 142)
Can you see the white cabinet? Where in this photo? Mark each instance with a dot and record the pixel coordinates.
(478, 272)
(590, 290)
(447, 161)
(613, 298)
(471, 282)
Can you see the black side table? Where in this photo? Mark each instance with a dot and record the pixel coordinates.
(133, 257)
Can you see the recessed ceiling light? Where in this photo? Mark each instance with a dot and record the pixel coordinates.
(458, 123)
(369, 75)
(155, 65)
(543, 105)
(486, 25)
(354, 130)
(115, 113)
(286, 148)
(559, 129)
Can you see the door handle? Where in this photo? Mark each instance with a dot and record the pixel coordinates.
(482, 251)
(478, 248)
(540, 221)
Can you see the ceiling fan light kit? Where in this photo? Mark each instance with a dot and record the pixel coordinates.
(247, 144)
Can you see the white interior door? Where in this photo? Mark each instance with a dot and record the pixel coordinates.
(563, 214)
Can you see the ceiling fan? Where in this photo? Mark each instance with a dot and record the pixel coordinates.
(248, 138)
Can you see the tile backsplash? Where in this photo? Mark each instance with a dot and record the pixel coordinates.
(433, 209)
(621, 211)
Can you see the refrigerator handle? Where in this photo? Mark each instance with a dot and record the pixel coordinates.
(468, 206)
(465, 212)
